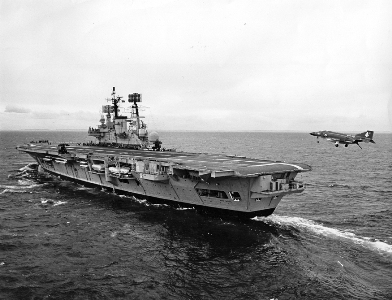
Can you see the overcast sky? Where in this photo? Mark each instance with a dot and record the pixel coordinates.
(200, 65)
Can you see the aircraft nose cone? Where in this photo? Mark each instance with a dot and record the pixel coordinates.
(314, 133)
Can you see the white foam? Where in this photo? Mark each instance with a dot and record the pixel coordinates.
(32, 186)
(309, 225)
(24, 182)
(8, 187)
(83, 188)
(47, 201)
(53, 202)
(12, 191)
(124, 196)
(144, 201)
(158, 205)
(59, 203)
(29, 167)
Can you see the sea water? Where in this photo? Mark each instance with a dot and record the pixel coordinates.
(61, 240)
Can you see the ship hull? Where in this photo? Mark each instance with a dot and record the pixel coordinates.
(211, 211)
(177, 191)
(226, 184)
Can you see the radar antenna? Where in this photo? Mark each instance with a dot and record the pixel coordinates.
(115, 100)
(135, 97)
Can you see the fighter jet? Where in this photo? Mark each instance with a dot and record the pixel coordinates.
(343, 138)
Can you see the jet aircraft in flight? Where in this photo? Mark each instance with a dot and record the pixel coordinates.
(343, 138)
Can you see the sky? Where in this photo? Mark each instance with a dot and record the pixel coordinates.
(303, 65)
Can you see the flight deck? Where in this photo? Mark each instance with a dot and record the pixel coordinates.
(196, 161)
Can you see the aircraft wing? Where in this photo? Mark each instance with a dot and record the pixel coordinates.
(333, 140)
(345, 141)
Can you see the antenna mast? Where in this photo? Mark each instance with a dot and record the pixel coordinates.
(115, 101)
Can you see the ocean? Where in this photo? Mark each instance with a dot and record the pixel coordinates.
(61, 240)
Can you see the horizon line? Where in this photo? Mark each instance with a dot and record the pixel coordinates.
(188, 130)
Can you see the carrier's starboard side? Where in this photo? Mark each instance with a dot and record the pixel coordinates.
(127, 160)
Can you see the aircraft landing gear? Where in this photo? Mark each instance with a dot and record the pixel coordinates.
(346, 145)
(336, 145)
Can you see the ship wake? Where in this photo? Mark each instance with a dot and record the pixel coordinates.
(302, 224)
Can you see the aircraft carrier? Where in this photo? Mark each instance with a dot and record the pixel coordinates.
(128, 159)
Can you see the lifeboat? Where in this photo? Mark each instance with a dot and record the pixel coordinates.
(98, 167)
(122, 170)
(61, 161)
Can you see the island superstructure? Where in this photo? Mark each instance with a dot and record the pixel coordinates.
(128, 159)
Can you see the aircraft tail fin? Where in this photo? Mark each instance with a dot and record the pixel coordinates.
(366, 136)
